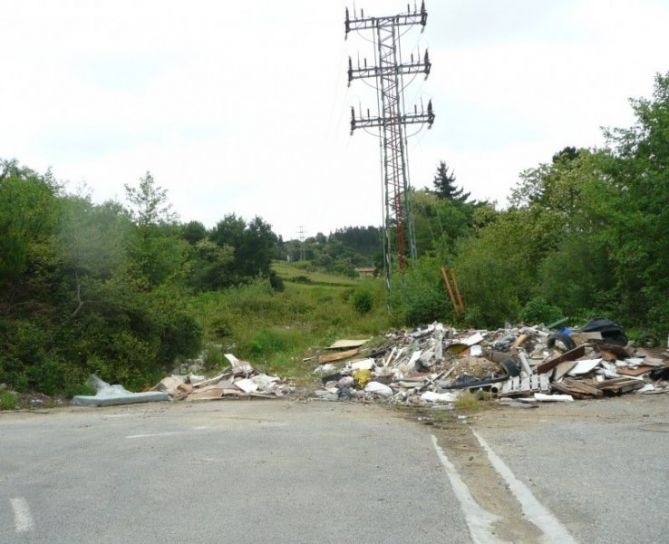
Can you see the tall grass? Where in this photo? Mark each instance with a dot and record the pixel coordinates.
(276, 330)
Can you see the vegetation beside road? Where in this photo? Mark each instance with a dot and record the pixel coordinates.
(127, 291)
(275, 330)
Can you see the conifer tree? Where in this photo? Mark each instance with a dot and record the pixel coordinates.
(444, 185)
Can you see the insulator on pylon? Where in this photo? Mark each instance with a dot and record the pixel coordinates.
(430, 114)
(347, 25)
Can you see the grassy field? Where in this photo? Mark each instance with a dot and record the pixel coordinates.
(299, 272)
(276, 330)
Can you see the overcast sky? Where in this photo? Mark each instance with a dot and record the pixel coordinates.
(243, 106)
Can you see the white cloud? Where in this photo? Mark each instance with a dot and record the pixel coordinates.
(243, 107)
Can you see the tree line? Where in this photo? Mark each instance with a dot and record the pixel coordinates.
(106, 288)
(584, 234)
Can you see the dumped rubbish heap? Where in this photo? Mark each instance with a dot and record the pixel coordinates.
(240, 381)
(436, 364)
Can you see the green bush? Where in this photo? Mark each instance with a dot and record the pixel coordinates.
(537, 310)
(362, 300)
(418, 294)
(276, 282)
(8, 400)
(79, 389)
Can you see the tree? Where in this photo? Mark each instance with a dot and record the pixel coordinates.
(193, 232)
(639, 170)
(444, 185)
(253, 245)
(439, 222)
(158, 249)
(148, 203)
(28, 218)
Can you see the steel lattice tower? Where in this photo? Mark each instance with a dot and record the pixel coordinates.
(388, 72)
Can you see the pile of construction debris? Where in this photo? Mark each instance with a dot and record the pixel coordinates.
(436, 364)
(240, 381)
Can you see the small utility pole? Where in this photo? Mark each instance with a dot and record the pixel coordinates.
(388, 71)
(301, 233)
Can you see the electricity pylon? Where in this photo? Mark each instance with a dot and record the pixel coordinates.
(388, 73)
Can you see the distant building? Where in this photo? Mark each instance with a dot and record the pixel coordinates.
(365, 270)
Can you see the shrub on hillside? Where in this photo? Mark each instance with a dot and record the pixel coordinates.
(362, 300)
(537, 310)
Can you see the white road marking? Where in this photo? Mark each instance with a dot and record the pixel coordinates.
(23, 520)
(151, 435)
(479, 521)
(535, 512)
(167, 433)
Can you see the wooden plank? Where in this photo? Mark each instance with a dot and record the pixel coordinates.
(451, 294)
(519, 341)
(562, 369)
(634, 371)
(579, 389)
(583, 337)
(572, 355)
(620, 385)
(207, 393)
(340, 356)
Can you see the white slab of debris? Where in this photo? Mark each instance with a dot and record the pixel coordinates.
(635, 361)
(541, 397)
(246, 385)
(414, 358)
(112, 395)
(431, 396)
(476, 351)
(471, 340)
(379, 389)
(648, 388)
(365, 364)
(584, 367)
(265, 382)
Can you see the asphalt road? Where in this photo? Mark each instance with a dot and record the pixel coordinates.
(332, 472)
(602, 466)
(223, 472)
